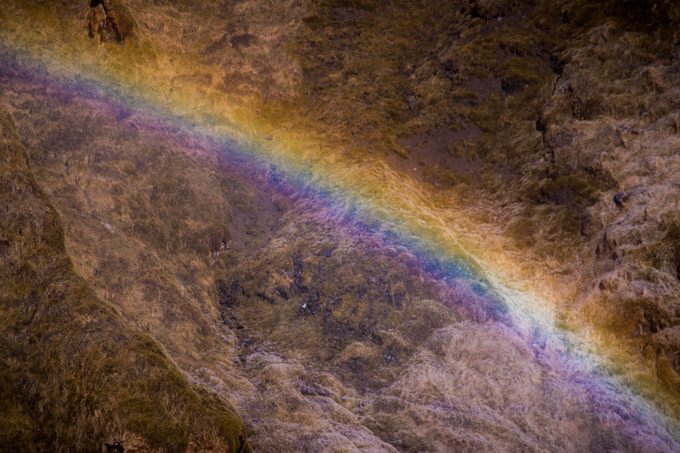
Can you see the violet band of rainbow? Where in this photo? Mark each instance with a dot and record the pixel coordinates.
(322, 181)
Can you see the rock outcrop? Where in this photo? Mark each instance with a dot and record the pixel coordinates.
(109, 20)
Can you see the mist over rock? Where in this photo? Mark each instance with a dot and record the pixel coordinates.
(339, 225)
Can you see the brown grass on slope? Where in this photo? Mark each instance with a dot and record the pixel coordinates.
(73, 376)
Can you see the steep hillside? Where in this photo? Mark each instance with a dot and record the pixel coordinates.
(343, 225)
(75, 376)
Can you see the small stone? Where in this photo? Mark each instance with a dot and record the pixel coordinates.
(620, 198)
(412, 102)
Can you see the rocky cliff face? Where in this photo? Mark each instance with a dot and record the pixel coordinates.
(611, 121)
(165, 292)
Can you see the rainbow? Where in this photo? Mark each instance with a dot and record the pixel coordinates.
(366, 195)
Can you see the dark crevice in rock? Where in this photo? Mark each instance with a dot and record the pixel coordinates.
(298, 266)
(512, 85)
(243, 40)
(227, 293)
(450, 69)
(540, 124)
(116, 447)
